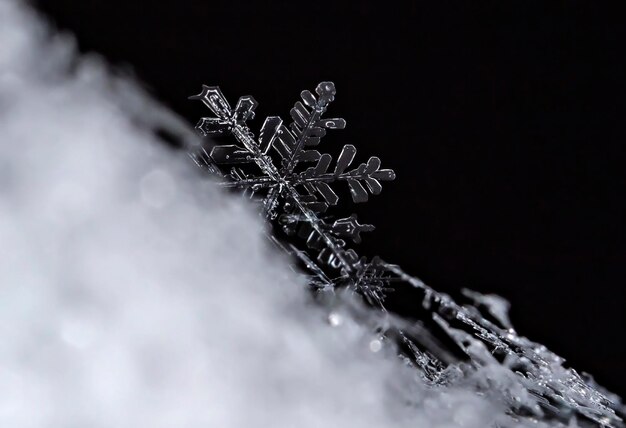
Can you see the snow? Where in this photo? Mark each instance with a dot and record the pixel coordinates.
(134, 293)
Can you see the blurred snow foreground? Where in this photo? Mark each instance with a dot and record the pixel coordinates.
(135, 294)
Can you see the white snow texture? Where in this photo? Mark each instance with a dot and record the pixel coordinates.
(133, 293)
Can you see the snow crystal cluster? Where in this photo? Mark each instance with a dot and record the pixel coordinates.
(291, 180)
(137, 293)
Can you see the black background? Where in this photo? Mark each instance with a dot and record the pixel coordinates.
(504, 122)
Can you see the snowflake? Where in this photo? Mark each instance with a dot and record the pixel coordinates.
(293, 195)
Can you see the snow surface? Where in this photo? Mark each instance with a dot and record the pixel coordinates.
(133, 293)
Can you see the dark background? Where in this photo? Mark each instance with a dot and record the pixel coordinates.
(504, 122)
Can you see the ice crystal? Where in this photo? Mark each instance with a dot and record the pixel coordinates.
(296, 186)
